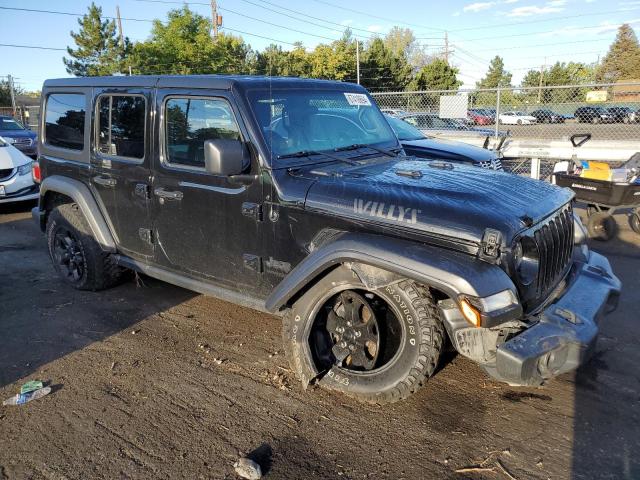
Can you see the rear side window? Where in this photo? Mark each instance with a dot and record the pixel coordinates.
(191, 121)
(64, 120)
(121, 125)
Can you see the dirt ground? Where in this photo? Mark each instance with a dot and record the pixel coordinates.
(152, 381)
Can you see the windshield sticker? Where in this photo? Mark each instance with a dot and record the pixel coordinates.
(358, 99)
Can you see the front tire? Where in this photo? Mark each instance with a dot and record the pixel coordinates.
(378, 345)
(74, 252)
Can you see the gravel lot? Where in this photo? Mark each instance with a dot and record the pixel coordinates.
(152, 381)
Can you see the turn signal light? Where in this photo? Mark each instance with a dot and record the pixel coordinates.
(35, 172)
(470, 313)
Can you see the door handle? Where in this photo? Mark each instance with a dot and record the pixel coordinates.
(105, 181)
(167, 195)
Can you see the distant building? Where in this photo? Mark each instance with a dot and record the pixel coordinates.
(626, 91)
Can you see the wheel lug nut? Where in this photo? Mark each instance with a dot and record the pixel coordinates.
(348, 324)
(352, 347)
(339, 329)
(343, 344)
(358, 334)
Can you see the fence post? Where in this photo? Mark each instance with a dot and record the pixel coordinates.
(497, 111)
(535, 168)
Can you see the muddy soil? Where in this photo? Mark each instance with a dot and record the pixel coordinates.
(153, 381)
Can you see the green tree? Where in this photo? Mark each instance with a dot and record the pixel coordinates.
(561, 73)
(336, 61)
(382, 68)
(275, 61)
(98, 51)
(402, 42)
(184, 46)
(496, 76)
(437, 75)
(5, 94)
(622, 62)
(572, 73)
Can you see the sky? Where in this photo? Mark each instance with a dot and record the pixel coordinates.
(526, 33)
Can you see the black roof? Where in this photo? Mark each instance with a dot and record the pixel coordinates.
(225, 82)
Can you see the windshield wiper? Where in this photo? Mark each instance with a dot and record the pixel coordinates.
(308, 153)
(357, 146)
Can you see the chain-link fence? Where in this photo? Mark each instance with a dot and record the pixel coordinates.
(547, 124)
(27, 115)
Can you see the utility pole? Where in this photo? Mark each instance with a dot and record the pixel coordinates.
(446, 47)
(13, 94)
(541, 79)
(214, 17)
(358, 61)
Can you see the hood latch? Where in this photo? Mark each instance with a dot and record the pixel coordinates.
(491, 241)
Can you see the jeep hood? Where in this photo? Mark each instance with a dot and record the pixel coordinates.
(433, 197)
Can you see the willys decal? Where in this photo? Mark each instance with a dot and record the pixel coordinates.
(392, 212)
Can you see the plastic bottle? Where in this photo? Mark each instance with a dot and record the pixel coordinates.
(22, 398)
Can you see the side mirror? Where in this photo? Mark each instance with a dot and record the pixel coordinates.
(225, 157)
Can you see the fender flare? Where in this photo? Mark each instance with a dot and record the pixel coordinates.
(454, 273)
(82, 196)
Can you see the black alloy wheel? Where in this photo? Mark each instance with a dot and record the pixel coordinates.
(68, 254)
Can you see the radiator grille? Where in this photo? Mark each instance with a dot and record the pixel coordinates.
(554, 240)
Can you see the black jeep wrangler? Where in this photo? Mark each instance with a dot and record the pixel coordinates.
(294, 197)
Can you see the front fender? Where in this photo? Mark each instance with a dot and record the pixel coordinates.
(452, 272)
(82, 196)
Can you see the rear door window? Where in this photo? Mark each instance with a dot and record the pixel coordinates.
(64, 120)
(121, 125)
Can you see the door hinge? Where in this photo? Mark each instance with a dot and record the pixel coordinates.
(252, 210)
(252, 262)
(146, 235)
(142, 190)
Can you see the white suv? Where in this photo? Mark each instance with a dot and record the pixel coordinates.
(16, 179)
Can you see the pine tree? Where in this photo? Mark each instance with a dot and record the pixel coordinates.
(98, 52)
(497, 76)
(622, 62)
(437, 75)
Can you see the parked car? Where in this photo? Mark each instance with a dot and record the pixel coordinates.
(516, 118)
(479, 117)
(396, 112)
(622, 114)
(547, 116)
(16, 181)
(20, 137)
(593, 115)
(419, 145)
(449, 128)
(375, 261)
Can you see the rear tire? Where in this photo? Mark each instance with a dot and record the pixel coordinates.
(408, 344)
(601, 226)
(634, 221)
(74, 252)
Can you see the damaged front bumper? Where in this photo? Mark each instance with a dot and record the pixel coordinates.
(562, 337)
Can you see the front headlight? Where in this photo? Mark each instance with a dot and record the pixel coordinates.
(25, 169)
(527, 260)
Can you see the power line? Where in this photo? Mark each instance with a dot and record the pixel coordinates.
(554, 19)
(533, 33)
(55, 12)
(386, 19)
(36, 47)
